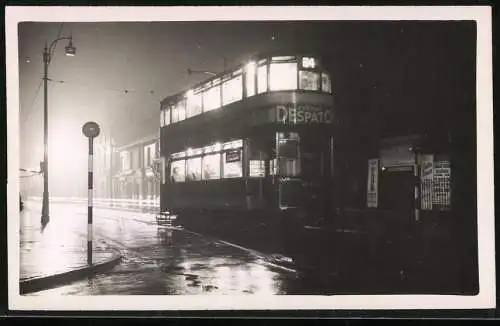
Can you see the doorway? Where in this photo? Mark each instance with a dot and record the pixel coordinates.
(397, 189)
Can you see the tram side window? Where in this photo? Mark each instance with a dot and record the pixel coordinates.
(211, 166)
(256, 163)
(257, 169)
(163, 171)
(309, 80)
(166, 117)
(194, 169)
(283, 76)
(232, 90)
(232, 164)
(193, 104)
(211, 98)
(179, 111)
(178, 172)
(262, 79)
(250, 79)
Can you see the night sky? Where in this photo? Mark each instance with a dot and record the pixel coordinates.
(389, 70)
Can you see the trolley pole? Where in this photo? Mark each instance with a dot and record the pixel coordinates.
(91, 130)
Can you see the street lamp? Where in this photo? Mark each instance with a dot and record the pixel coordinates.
(69, 50)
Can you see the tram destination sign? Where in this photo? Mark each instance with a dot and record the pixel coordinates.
(303, 114)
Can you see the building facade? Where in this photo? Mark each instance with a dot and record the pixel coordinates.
(136, 175)
(103, 165)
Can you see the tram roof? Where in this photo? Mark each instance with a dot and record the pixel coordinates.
(249, 57)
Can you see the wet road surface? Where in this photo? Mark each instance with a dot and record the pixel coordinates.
(163, 261)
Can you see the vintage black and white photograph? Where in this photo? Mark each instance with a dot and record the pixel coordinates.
(246, 158)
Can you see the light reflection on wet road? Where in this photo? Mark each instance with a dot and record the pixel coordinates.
(161, 261)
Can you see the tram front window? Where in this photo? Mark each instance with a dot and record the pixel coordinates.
(283, 76)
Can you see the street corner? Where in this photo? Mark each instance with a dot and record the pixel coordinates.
(103, 261)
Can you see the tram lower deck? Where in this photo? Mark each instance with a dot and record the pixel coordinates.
(267, 171)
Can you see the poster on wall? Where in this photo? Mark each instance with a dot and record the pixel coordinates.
(372, 185)
(426, 178)
(441, 184)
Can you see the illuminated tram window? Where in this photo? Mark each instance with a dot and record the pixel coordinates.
(163, 171)
(262, 79)
(283, 76)
(175, 116)
(178, 172)
(162, 118)
(178, 111)
(167, 116)
(181, 109)
(194, 169)
(232, 90)
(257, 169)
(233, 164)
(250, 78)
(193, 103)
(211, 166)
(211, 98)
(309, 80)
(283, 58)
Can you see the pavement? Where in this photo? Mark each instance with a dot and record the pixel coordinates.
(57, 253)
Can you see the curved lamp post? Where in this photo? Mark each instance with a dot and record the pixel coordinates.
(69, 50)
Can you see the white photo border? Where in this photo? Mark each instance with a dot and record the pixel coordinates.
(485, 165)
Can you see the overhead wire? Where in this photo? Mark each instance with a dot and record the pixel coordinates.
(124, 91)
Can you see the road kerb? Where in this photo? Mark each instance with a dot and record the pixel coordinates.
(47, 282)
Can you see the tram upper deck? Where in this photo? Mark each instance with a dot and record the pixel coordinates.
(248, 134)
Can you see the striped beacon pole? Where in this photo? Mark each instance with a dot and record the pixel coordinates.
(90, 130)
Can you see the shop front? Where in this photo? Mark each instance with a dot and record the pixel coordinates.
(408, 180)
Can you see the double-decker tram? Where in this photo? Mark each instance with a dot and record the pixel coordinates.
(251, 142)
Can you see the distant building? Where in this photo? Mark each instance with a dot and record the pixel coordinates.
(136, 175)
(104, 146)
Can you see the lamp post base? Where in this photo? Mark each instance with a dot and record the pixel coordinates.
(45, 210)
